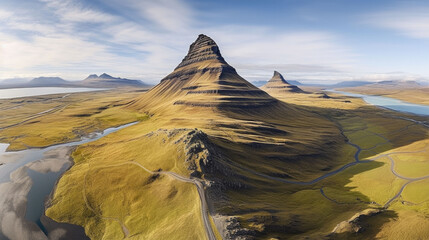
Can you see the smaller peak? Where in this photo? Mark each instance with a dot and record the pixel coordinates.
(92, 76)
(278, 77)
(105, 75)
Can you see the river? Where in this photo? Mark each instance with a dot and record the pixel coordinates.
(16, 170)
(390, 103)
(29, 92)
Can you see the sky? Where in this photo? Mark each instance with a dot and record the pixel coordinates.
(307, 40)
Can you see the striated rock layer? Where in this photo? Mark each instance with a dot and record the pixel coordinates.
(277, 84)
(205, 79)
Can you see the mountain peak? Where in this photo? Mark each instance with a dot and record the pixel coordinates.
(105, 75)
(277, 77)
(203, 49)
(205, 79)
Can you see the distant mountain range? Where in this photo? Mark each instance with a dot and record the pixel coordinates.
(344, 84)
(109, 81)
(334, 85)
(93, 80)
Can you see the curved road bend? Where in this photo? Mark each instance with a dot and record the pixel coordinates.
(200, 188)
(410, 180)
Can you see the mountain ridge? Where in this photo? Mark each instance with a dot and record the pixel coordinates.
(93, 80)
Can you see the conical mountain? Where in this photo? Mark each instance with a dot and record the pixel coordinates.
(205, 79)
(277, 85)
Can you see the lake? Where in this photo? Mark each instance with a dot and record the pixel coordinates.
(28, 92)
(390, 103)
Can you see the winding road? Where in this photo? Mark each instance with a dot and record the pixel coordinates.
(198, 183)
(410, 180)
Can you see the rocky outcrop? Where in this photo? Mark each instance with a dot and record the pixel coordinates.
(356, 223)
(230, 229)
(278, 84)
(205, 161)
(201, 157)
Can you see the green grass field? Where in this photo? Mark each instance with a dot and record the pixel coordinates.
(298, 141)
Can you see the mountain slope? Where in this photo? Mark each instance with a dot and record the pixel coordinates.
(278, 85)
(205, 79)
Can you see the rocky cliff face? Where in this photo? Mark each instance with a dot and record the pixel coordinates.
(205, 79)
(277, 84)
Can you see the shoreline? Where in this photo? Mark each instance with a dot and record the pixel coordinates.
(16, 194)
(15, 198)
(60, 230)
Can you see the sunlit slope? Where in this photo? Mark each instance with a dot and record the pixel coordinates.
(110, 192)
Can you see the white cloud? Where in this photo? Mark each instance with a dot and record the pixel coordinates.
(257, 51)
(411, 22)
(74, 11)
(147, 39)
(41, 51)
(5, 14)
(170, 15)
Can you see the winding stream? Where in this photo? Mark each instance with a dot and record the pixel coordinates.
(18, 167)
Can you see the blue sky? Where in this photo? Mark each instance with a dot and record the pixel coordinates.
(311, 41)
